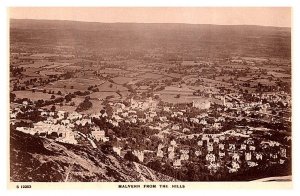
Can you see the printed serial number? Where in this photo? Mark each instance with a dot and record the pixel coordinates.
(24, 186)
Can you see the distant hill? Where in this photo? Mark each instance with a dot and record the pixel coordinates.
(207, 40)
(34, 159)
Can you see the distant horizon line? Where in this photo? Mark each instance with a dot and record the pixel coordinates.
(148, 22)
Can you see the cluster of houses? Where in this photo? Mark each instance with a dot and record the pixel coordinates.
(234, 100)
(213, 148)
(143, 105)
(232, 146)
(61, 126)
(282, 97)
(147, 113)
(222, 149)
(129, 114)
(201, 104)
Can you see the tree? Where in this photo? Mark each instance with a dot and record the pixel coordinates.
(68, 75)
(85, 105)
(107, 148)
(12, 96)
(53, 135)
(155, 165)
(109, 110)
(131, 157)
(52, 97)
(53, 108)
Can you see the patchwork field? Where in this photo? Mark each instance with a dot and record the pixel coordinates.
(64, 91)
(73, 67)
(75, 83)
(65, 108)
(34, 96)
(51, 55)
(113, 71)
(97, 106)
(57, 65)
(31, 72)
(50, 72)
(173, 90)
(264, 82)
(103, 95)
(279, 75)
(111, 87)
(122, 80)
(38, 64)
(150, 76)
(182, 99)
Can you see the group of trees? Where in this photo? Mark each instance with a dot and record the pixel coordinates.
(93, 88)
(131, 157)
(19, 88)
(20, 101)
(69, 97)
(53, 101)
(31, 113)
(16, 71)
(85, 105)
(12, 96)
(198, 171)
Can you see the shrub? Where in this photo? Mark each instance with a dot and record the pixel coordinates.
(85, 105)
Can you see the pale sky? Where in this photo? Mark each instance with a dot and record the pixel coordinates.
(266, 16)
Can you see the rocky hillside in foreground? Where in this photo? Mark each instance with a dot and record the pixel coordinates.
(34, 159)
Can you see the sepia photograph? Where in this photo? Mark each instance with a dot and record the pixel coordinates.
(150, 94)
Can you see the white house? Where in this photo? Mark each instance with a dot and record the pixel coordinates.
(117, 150)
(258, 156)
(184, 157)
(98, 135)
(139, 155)
(248, 156)
(68, 137)
(198, 153)
(236, 157)
(175, 127)
(177, 163)
(171, 155)
(201, 104)
(210, 147)
(221, 146)
(173, 143)
(231, 147)
(210, 157)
